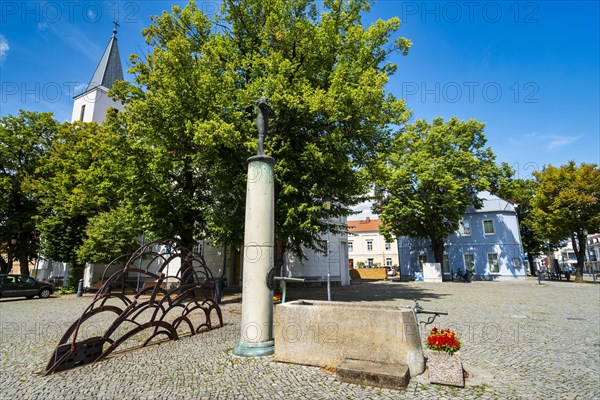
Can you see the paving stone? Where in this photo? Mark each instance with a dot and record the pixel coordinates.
(520, 340)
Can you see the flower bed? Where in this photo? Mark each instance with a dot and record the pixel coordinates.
(444, 340)
(443, 358)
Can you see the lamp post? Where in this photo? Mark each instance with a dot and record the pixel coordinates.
(13, 242)
(549, 258)
(327, 207)
(585, 256)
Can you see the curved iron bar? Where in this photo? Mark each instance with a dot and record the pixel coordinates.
(179, 320)
(104, 299)
(53, 364)
(170, 332)
(113, 262)
(157, 302)
(147, 341)
(91, 311)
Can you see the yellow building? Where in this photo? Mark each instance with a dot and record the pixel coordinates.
(366, 245)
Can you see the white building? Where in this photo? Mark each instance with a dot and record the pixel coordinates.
(567, 259)
(366, 246)
(93, 103)
(316, 265)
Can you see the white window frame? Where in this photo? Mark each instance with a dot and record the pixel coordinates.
(493, 227)
(464, 230)
(465, 261)
(490, 264)
(422, 260)
(388, 246)
(445, 264)
(517, 263)
(369, 245)
(350, 246)
(388, 262)
(370, 262)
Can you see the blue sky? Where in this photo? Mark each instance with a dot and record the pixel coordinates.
(529, 69)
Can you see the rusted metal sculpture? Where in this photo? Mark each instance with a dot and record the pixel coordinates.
(166, 307)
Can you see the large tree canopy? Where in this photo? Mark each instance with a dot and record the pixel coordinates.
(81, 186)
(567, 203)
(521, 192)
(190, 114)
(24, 140)
(432, 176)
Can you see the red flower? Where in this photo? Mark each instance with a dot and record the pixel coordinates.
(444, 340)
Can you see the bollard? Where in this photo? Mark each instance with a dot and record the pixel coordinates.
(80, 288)
(218, 290)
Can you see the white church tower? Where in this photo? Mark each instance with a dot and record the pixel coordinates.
(92, 104)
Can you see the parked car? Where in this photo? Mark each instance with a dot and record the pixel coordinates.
(390, 271)
(26, 286)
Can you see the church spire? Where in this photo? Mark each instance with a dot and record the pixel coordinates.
(109, 69)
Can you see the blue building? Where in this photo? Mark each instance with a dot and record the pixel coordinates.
(487, 243)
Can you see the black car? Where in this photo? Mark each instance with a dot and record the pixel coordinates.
(21, 285)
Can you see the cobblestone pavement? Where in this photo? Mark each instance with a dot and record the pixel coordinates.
(521, 340)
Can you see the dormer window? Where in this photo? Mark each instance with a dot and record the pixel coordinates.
(465, 228)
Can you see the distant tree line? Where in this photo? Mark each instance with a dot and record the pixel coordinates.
(173, 163)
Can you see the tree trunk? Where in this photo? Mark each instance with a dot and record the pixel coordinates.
(531, 264)
(3, 266)
(76, 273)
(187, 242)
(24, 263)
(578, 240)
(437, 245)
(187, 238)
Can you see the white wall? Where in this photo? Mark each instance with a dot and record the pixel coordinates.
(96, 103)
(316, 264)
(360, 252)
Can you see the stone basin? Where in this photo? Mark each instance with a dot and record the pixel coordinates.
(324, 334)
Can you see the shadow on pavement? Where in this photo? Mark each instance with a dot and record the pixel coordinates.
(365, 292)
(15, 299)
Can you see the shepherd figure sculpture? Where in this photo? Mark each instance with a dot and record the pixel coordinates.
(262, 124)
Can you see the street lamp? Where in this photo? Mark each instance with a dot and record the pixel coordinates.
(327, 207)
(585, 256)
(549, 268)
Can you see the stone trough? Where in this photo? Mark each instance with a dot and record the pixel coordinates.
(342, 335)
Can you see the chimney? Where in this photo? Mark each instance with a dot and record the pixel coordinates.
(368, 219)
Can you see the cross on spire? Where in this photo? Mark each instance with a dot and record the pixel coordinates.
(116, 24)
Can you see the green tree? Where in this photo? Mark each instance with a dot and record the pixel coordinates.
(24, 140)
(191, 117)
(567, 203)
(432, 177)
(81, 186)
(521, 192)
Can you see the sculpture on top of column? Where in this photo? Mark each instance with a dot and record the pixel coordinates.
(262, 123)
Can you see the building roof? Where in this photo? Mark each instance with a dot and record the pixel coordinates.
(365, 225)
(492, 203)
(109, 68)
